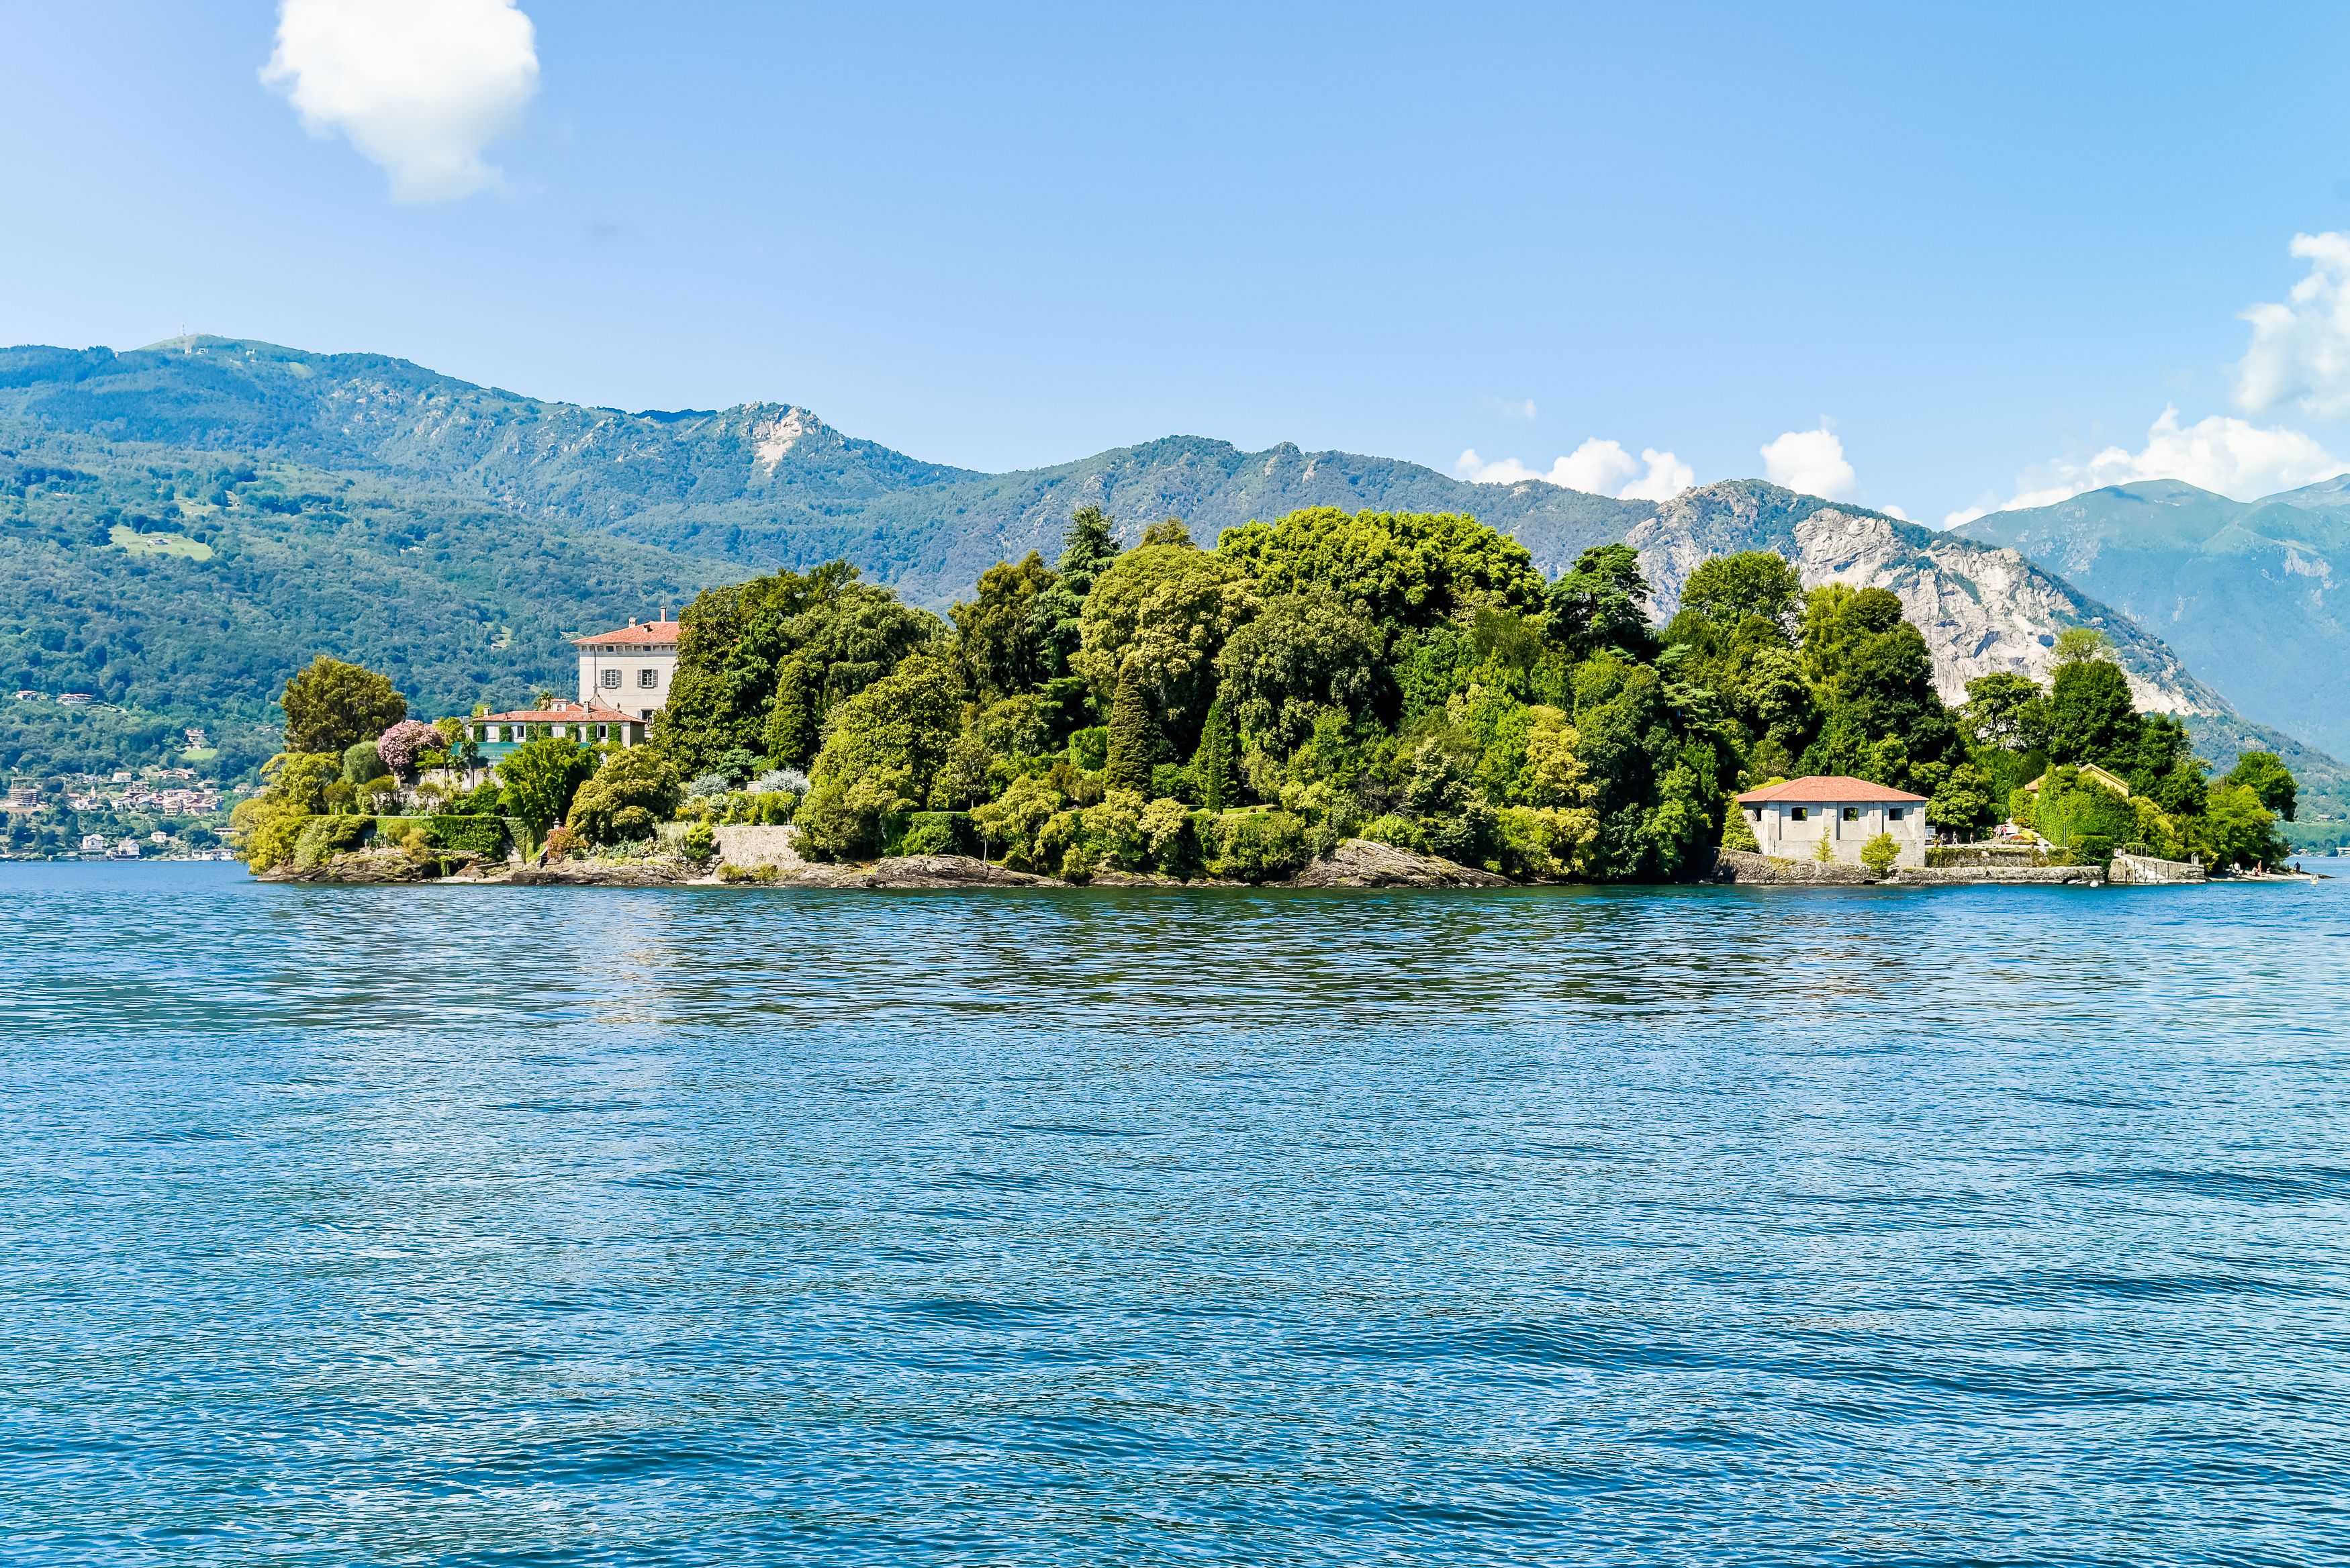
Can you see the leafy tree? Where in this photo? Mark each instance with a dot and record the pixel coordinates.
(1879, 854)
(2265, 775)
(2081, 644)
(1007, 648)
(1303, 655)
(294, 790)
(2005, 711)
(1962, 804)
(2090, 718)
(761, 663)
(540, 778)
(2237, 829)
(1603, 603)
(633, 794)
(400, 747)
(1132, 740)
(1169, 531)
(332, 705)
(883, 752)
(1754, 583)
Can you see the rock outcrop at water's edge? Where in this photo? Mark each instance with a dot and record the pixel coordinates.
(1360, 863)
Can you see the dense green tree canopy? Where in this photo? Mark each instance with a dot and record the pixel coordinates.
(634, 792)
(761, 663)
(1395, 569)
(1161, 614)
(1303, 655)
(2264, 774)
(332, 706)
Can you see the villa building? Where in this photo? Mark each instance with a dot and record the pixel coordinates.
(1793, 819)
(629, 669)
(497, 734)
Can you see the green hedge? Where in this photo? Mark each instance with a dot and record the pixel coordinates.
(481, 836)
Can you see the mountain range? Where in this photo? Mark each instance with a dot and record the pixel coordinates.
(2246, 591)
(182, 524)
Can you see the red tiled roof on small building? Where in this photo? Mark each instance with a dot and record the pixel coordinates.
(1832, 789)
(651, 632)
(560, 711)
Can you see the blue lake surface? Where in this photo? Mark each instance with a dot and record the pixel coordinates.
(1690, 1226)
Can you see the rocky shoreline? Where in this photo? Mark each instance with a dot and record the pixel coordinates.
(1353, 863)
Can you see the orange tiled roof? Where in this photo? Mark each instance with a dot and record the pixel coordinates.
(561, 712)
(653, 631)
(1832, 789)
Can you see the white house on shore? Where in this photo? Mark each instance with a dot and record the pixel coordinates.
(1791, 820)
(629, 669)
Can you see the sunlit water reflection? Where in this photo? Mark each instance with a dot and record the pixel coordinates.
(487, 1225)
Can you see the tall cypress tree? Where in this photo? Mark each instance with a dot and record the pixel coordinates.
(1216, 765)
(1131, 739)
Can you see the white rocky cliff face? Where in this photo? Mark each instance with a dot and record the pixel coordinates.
(1981, 609)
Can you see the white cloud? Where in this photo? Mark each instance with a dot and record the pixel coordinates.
(2230, 456)
(1811, 461)
(1597, 467)
(2300, 352)
(1522, 410)
(420, 87)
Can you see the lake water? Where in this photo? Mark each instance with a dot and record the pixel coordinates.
(1693, 1226)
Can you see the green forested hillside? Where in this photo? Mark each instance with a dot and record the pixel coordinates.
(186, 584)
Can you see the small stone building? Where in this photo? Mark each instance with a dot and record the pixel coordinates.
(1791, 820)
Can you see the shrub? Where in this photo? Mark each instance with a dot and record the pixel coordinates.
(1879, 854)
(1015, 819)
(1737, 833)
(363, 763)
(1547, 841)
(934, 833)
(708, 786)
(741, 873)
(626, 799)
(700, 842)
(562, 844)
(1090, 748)
(373, 796)
(324, 837)
(1255, 845)
(1400, 831)
(778, 781)
(1169, 844)
(400, 747)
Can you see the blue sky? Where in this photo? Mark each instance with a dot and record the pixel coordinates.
(1960, 252)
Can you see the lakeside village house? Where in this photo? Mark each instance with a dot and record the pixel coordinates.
(1791, 820)
(624, 680)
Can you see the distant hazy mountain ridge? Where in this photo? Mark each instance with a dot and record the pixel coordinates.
(2251, 593)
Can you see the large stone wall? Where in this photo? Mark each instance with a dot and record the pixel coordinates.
(755, 844)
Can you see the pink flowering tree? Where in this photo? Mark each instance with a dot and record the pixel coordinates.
(401, 744)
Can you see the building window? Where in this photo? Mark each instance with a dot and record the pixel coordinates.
(1852, 814)
(1893, 813)
(648, 678)
(1799, 814)
(611, 679)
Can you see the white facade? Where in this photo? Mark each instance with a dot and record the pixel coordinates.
(629, 670)
(1791, 820)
